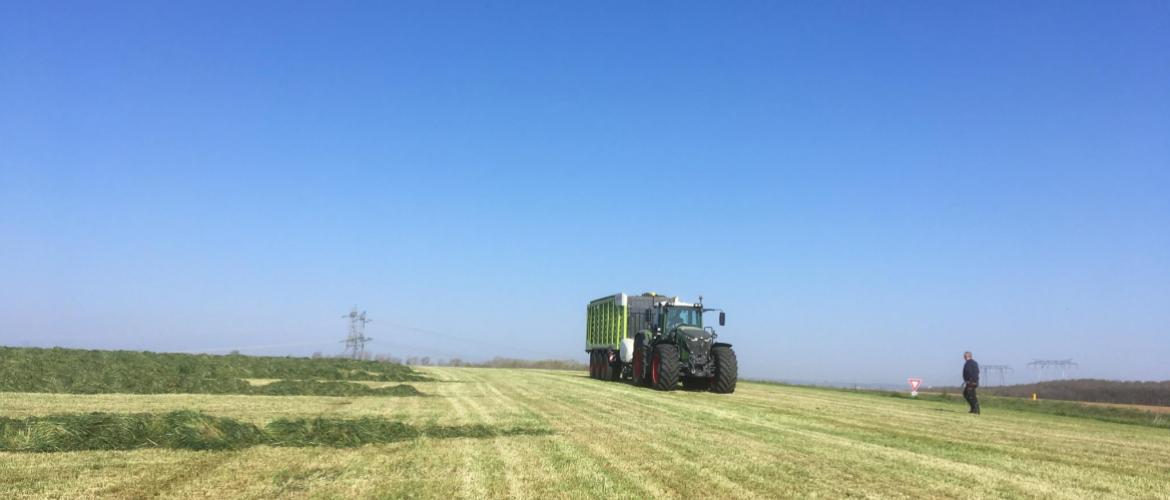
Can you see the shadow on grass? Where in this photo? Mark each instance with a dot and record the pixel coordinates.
(189, 430)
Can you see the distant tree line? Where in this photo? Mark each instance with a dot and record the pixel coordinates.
(544, 364)
(1093, 390)
(497, 362)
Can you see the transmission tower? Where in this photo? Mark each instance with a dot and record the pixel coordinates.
(355, 342)
(1045, 366)
(997, 369)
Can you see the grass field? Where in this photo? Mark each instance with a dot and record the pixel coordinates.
(603, 439)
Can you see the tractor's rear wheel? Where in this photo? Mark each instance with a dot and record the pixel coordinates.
(639, 367)
(726, 370)
(664, 364)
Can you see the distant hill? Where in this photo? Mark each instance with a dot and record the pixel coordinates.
(1093, 390)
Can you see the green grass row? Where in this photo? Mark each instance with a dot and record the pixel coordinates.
(329, 388)
(1102, 391)
(77, 371)
(191, 430)
(1060, 408)
(987, 404)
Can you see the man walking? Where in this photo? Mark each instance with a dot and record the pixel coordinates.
(970, 382)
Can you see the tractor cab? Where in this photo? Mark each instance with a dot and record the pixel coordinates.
(672, 317)
(666, 317)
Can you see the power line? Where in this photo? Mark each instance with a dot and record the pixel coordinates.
(495, 345)
(355, 342)
(502, 349)
(255, 347)
(1045, 366)
(998, 369)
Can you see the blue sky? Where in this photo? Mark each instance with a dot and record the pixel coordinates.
(869, 188)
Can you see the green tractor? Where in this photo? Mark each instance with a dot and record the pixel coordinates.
(658, 341)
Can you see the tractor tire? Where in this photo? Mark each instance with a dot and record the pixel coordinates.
(664, 367)
(592, 364)
(696, 384)
(603, 366)
(726, 370)
(639, 366)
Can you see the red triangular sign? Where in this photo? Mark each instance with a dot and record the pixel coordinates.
(914, 383)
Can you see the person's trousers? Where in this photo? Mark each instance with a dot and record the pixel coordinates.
(969, 395)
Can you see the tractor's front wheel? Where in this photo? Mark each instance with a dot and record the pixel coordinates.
(726, 370)
(664, 365)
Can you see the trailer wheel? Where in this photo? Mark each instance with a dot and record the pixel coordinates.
(664, 367)
(603, 367)
(592, 364)
(726, 370)
(639, 367)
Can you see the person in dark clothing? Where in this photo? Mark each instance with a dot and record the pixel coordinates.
(970, 382)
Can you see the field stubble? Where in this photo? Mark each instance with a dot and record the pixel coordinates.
(614, 440)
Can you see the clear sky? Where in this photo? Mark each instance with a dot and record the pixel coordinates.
(868, 188)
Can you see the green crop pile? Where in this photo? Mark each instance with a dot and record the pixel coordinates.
(105, 431)
(321, 431)
(78, 371)
(190, 430)
(329, 388)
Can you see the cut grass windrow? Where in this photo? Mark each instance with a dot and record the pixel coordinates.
(188, 430)
(329, 388)
(76, 371)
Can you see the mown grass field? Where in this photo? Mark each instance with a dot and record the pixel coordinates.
(604, 439)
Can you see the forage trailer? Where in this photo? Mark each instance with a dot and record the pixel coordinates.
(657, 341)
